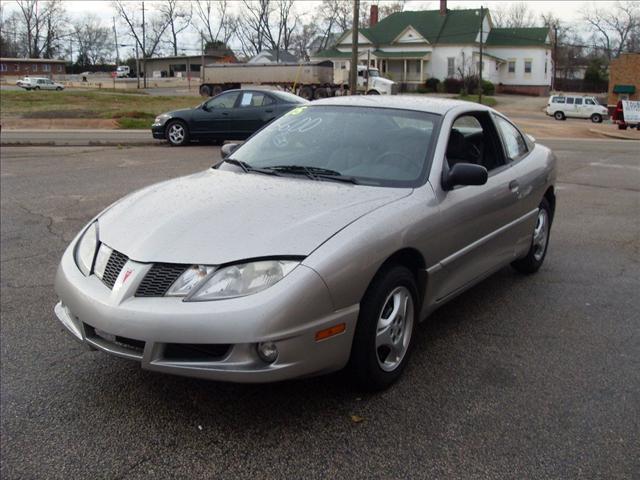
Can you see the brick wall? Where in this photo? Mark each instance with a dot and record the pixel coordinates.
(35, 69)
(624, 70)
(534, 90)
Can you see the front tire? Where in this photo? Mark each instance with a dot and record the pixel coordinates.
(532, 262)
(559, 116)
(596, 118)
(385, 330)
(177, 133)
(373, 92)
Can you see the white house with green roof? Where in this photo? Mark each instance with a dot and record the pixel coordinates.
(410, 47)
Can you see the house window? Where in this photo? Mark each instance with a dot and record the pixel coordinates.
(46, 67)
(418, 66)
(546, 67)
(16, 67)
(34, 67)
(512, 66)
(384, 66)
(527, 66)
(451, 66)
(3, 67)
(60, 68)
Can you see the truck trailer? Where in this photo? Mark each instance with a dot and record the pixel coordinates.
(310, 80)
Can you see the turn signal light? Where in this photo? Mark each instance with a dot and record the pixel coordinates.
(330, 332)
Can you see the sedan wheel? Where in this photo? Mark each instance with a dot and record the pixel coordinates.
(382, 341)
(177, 133)
(596, 118)
(394, 329)
(532, 262)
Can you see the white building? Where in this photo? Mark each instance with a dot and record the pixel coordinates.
(410, 47)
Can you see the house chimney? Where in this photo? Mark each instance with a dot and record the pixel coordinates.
(443, 7)
(373, 16)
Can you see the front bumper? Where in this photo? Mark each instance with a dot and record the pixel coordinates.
(150, 330)
(157, 130)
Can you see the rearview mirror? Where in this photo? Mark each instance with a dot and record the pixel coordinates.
(464, 174)
(227, 149)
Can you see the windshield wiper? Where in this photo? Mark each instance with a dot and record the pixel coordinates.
(246, 168)
(315, 173)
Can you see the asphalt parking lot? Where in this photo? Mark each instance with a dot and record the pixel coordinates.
(520, 377)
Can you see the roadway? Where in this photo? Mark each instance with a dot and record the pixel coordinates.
(520, 377)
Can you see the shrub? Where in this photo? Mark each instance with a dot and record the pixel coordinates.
(431, 84)
(452, 85)
(488, 88)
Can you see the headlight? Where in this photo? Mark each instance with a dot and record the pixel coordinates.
(86, 248)
(161, 118)
(200, 283)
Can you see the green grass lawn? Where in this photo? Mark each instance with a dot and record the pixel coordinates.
(488, 101)
(129, 111)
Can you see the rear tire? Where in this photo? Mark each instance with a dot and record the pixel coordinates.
(596, 118)
(385, 329)
(559, 116)
(532, 262)
(217, 90)
(177, 133)
(320, 92)
(59, 89)
(205, 91)
(37, 88)
(373, 92)
(306, 92)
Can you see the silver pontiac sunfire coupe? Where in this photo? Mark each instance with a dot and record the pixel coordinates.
(319, 244)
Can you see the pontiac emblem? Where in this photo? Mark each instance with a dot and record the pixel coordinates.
(127, 274)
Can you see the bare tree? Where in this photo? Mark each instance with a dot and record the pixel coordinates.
(612, 27)
(513, 15)
(216, 23)
(93, 40)
(178, 16)
(156, 25)
(41, 27)
(253, 26)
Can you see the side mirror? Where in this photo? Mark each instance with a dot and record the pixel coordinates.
(227, 149)
(204, 107)
(464, 174)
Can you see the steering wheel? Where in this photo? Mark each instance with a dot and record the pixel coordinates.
(397, 157)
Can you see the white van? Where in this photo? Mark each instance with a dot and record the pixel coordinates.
(563, 106)
(122, 71)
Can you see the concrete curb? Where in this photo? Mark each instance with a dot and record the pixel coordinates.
(617, 136)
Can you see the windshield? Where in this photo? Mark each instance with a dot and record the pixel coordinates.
(374, 146)
(374, 73)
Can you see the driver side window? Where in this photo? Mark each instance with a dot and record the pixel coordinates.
(473, 140)
(225, 100)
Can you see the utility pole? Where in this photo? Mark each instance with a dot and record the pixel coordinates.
(353, 72)
(481, 35)
(555, 54)
(144, 51)
(202, 59)
(115, 34)
(137, 66)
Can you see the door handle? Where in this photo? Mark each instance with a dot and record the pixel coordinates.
(514, 186)
(269, 111)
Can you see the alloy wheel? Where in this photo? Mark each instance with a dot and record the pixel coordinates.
(394, 329)
(176, 133)
(540, 234)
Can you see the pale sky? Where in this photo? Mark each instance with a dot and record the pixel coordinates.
(567, 10)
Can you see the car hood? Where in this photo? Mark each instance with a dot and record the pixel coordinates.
(216, 217)
(183, 112)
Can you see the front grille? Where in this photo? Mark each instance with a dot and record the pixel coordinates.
(196, 352)
(114, 266)
(159, 278)
(129, 343)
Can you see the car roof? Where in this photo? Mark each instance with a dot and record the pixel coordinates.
(276, 93)
(436, 105)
